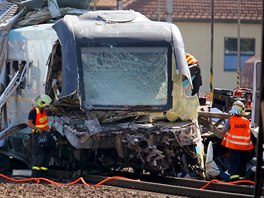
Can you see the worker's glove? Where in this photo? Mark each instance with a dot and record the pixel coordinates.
(37, 130)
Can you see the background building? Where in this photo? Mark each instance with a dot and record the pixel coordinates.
(193, 17)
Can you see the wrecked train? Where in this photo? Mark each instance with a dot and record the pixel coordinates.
(115, 78)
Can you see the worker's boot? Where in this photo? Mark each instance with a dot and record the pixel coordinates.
(234, 178)
(36, 173)
(44, 174)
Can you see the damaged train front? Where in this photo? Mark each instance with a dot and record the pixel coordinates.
(117, 86)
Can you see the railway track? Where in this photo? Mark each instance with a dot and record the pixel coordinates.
(178, 186)
(193, 183)
(168, 185)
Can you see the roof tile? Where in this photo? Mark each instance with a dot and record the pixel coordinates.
(250, 10)
(193, 9)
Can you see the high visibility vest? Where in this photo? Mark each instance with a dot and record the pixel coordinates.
(42, 120)
(190, 59)
(238, 137)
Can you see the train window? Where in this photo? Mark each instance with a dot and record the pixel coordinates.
(139, 74)
(13, 66)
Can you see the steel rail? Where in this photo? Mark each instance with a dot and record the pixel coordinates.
(165, 188)
(194, 183)
(167, 185)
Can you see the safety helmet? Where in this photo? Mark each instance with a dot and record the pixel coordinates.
(43, 100)
(190, 59)
(238, 108)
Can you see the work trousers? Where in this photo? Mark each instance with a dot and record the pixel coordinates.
(238, 160)
(40, 156)
(197, 78)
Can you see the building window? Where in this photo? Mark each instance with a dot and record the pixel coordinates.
(247, 50)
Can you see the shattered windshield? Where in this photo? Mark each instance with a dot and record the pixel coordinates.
(125, 76)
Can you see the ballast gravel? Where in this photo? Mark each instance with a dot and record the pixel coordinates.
(47, 190)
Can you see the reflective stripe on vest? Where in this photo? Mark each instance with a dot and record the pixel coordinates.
(42, 120)
(238, 137)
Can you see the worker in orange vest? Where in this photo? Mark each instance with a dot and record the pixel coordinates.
(237, 139)
(195, 71)
(42, 140)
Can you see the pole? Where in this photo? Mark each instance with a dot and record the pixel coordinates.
(238, 45)
(158, 10)
(120, 4)
(169, 8)
(212, 49)
(259, 166)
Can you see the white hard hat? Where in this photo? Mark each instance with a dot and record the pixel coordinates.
(238, 108)
(43, 100)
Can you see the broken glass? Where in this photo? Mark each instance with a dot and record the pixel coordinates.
(125, 76)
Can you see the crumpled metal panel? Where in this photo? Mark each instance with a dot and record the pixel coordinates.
(153, 146)
(33, 4)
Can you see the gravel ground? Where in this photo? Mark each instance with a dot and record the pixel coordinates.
(46, 190)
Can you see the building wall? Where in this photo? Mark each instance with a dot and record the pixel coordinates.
(197, 39)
